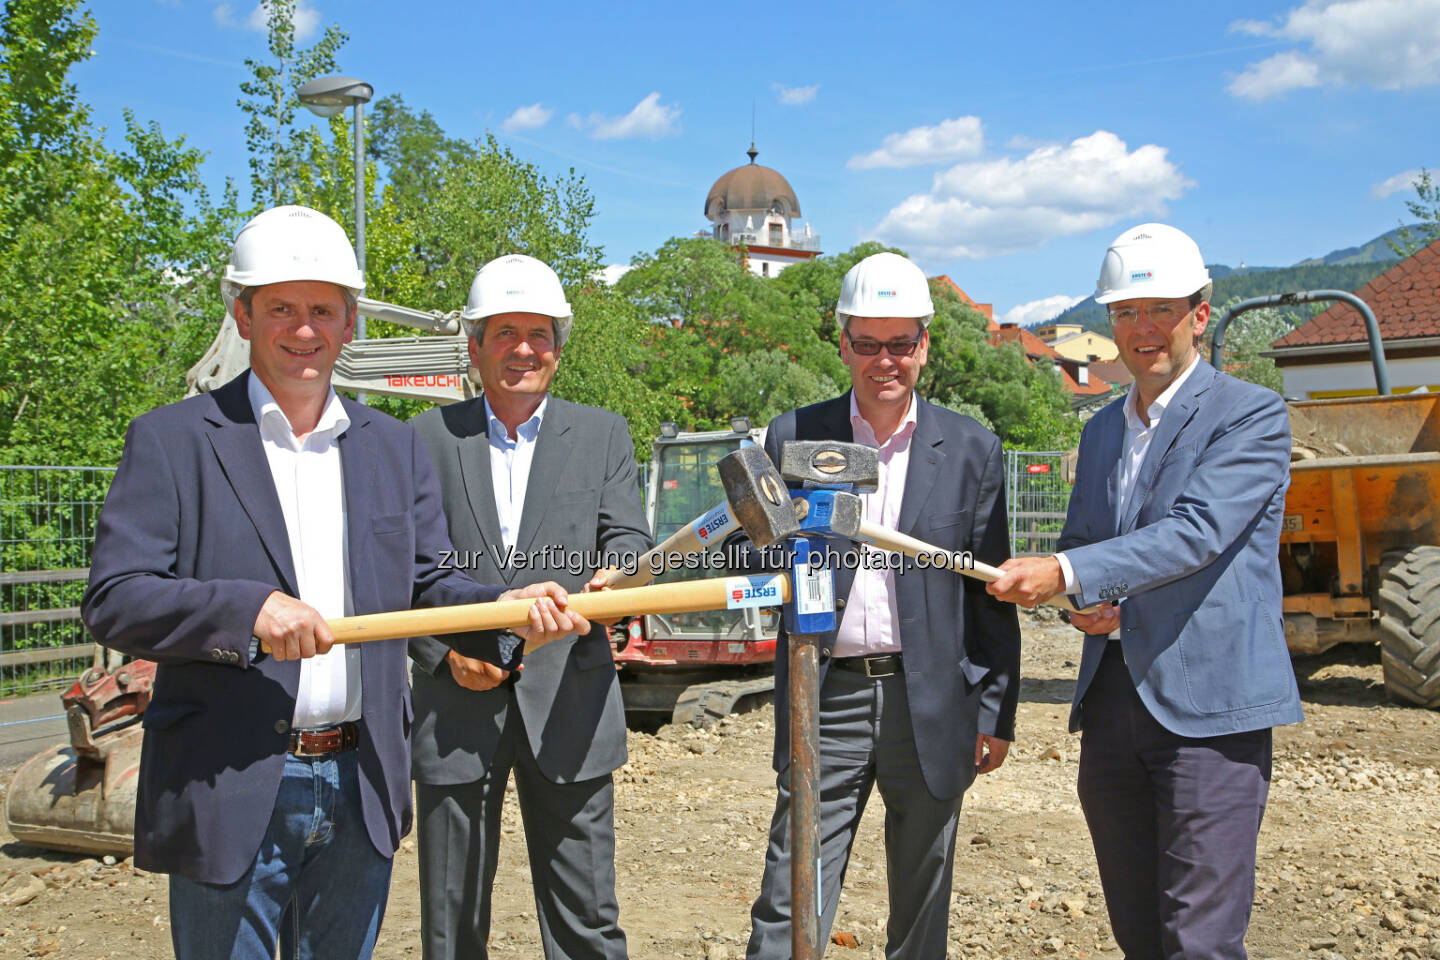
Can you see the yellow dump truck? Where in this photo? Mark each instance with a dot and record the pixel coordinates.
(1360, 548)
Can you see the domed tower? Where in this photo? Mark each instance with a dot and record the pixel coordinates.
(752, 206)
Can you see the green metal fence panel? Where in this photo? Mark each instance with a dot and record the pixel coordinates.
(47, 529)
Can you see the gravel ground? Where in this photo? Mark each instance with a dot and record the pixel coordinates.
(1349, 854)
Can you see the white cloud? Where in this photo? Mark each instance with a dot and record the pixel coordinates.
(611, 273)
(1400, 183)
(306, 19)
(650, 119)
(1276, 75)
(528, 118)
(1389, 44)
(795, 96)
(957, 139)
(994, 207)
(1038, 311)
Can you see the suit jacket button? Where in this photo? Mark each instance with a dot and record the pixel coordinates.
(217, 654)
(282, 726)
(840, 604)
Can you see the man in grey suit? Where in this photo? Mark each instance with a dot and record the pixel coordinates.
(534, 488)
(916, 704)
(1174, 525)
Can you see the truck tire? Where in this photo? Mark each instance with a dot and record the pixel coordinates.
(1410, 624)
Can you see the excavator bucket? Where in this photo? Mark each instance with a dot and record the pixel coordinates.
(80, 796)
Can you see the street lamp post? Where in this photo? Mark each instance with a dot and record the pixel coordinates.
(326, 97)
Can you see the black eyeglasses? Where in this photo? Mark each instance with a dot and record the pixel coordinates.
(899, 347)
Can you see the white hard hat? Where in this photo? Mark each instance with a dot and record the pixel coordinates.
(290, 243)
(519, 284)
(885, 285)
(1151, 260)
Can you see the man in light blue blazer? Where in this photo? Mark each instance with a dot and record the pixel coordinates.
(1174, 529)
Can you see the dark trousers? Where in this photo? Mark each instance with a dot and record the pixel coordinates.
(866, 741)
(1174, 821)
(570, 836)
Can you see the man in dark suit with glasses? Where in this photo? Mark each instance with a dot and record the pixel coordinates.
(918, 684)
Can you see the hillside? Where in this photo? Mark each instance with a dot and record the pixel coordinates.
(1377, 249)
(1345, 269)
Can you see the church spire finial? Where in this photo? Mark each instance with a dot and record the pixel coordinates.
(752, 153)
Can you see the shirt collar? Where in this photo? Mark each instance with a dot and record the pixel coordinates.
(528, 430)
(864, 433)
(1157, 409)
(274, 423)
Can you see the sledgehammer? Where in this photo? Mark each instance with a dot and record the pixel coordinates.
(717, 593)
(838, 513)
(756, 501)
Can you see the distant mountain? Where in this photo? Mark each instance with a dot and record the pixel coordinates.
(1377, 249)
(1345, 269)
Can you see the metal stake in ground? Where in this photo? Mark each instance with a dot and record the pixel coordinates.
(834, 466)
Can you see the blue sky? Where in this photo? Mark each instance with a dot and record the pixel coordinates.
(1003, 144)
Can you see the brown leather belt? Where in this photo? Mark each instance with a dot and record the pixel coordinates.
(332, 739)
(878, 665)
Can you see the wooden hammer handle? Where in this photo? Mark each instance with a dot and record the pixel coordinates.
(945, 559)
(683, 541)
(687, 597)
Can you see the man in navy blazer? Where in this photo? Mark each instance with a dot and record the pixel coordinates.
(275, 776)
(919, 682)
(1174, 528)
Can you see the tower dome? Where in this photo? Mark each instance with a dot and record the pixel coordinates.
(751, 188)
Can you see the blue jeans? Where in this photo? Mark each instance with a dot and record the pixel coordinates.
(316, 890)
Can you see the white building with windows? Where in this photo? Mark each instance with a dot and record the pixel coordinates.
(754, 207)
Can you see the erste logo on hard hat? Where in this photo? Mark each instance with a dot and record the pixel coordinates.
(1140, 276)
(886, 293)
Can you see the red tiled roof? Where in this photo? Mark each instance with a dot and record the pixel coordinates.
(986, 309)
(1038, 350)
(1075, 388)
(1031, 344)
(1112, 370)
(1405, 298)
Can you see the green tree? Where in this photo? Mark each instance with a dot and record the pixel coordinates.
(764, 384)
(1425, 208)
(1251, 332)
(703, 308)
(416, 153)
(491, 203)
(107, 258)
(601, 362)
(1025, 404)
(269, 102)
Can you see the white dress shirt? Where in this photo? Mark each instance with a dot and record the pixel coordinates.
(510, 462)
(871, 612)
(1135, 446)
(306, 471)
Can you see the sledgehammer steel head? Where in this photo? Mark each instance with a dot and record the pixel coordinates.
(757, 496)
(830, 463)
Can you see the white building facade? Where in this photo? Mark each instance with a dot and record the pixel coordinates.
(754, 207)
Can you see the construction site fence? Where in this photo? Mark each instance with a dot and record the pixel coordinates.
(1038, 496)
(47, 528)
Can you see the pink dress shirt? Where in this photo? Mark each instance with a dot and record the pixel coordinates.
(868, 625)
